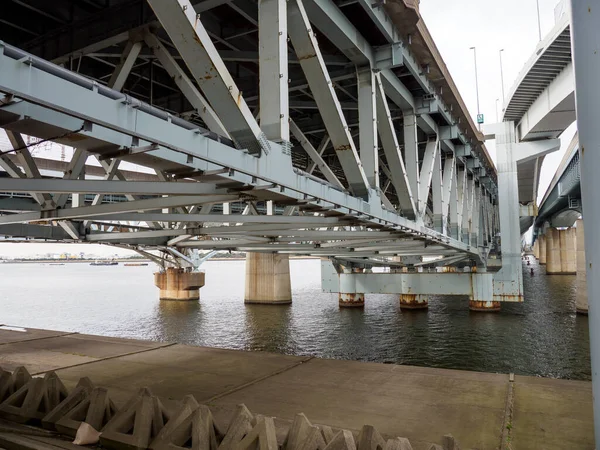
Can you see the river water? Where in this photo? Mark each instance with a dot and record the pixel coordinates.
(541, 337)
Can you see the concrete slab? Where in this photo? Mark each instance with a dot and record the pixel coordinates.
(552, 414)
(417, 403)
(41, 351)
(10, 334)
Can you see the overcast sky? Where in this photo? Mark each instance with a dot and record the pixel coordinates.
(456, 26)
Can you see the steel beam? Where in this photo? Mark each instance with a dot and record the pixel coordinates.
(121, 72)
(308, 52)
(187, 87)
(389, 141)
(191, 39)
(273, 69)
(367, 125)
(315, 156)
(426, 174)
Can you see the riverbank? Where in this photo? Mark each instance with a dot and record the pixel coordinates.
(419, 403)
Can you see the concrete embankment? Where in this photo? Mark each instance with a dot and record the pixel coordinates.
(482, 410)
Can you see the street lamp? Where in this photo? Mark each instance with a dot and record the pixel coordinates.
(501, 74)
(497, 100)
(476, 85)
(539, 23)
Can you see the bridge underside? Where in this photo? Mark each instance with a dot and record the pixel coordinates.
(352, 150)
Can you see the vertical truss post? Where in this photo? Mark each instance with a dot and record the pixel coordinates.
(188, 89)
(367, 124)
(455, 205)
(426, 175)
(312, 63)
(437, 193)
(448, 188)
(389, 141)
(469, 209)
(273, 70)
(585, 33)
(476, 215)
(464, 217)
(411, 153)
(191, 39)
(121, 72)
(74, 169)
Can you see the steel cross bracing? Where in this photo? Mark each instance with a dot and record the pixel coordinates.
(383, 165)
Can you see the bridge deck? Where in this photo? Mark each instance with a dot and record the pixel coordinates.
(419, 403)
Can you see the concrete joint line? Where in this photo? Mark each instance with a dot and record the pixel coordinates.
(107, 358)
(39, 339)
(506, 432)
(250, 383)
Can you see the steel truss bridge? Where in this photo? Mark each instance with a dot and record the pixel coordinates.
(308, 127)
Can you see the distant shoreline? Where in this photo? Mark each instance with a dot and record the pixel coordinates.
(122, 260)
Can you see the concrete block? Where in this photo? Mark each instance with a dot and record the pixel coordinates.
(19, 378)
(370, 439)
(96, 409)
(327, 433)
(191, 423)
(137, 424)
(79, 394)
(302, 435)
(34, 400)
(261, 437)
(343, 440)
(398, 444)
(242, 422)
(449, 443)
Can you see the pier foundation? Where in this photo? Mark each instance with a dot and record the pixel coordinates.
(581, 299)
(268, 279)
(413, 301)
(561, 253)
(482, 295)
(179, 284)
(348, 297)
(536, 249)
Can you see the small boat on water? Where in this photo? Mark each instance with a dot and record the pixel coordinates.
(104, 263)
(135, 264)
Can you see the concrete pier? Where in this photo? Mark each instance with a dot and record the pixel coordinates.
(268, 279)
(568, 251)
(542, 240)
(561, 251)
(484, 306)
(553, 264)
(419, 403)
(179, 284)
(581, 299)
(413, 301)
(536, 249)
(349, 298)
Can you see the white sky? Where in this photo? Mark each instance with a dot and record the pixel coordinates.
(456, 26)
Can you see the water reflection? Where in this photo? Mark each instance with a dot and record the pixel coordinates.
(542, 336)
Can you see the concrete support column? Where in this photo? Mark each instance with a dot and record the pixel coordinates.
(543, 254)
(268, 279)
(581, 299)
(348, 297)
(178, 284)
(553, 265)
(482, 296)
(568, 251)
(413, 301)
(536, 249)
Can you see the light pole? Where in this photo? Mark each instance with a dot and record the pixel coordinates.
(476, 85)
(497, 100)
(501, 74)
(539, 23)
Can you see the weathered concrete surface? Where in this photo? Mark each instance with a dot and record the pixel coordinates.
(421, 404)
(268, 279)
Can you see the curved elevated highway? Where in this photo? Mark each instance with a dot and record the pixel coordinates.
(542, 105)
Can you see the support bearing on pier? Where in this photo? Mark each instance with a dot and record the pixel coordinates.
(179, 284)
(413, 301)
(348, 297)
